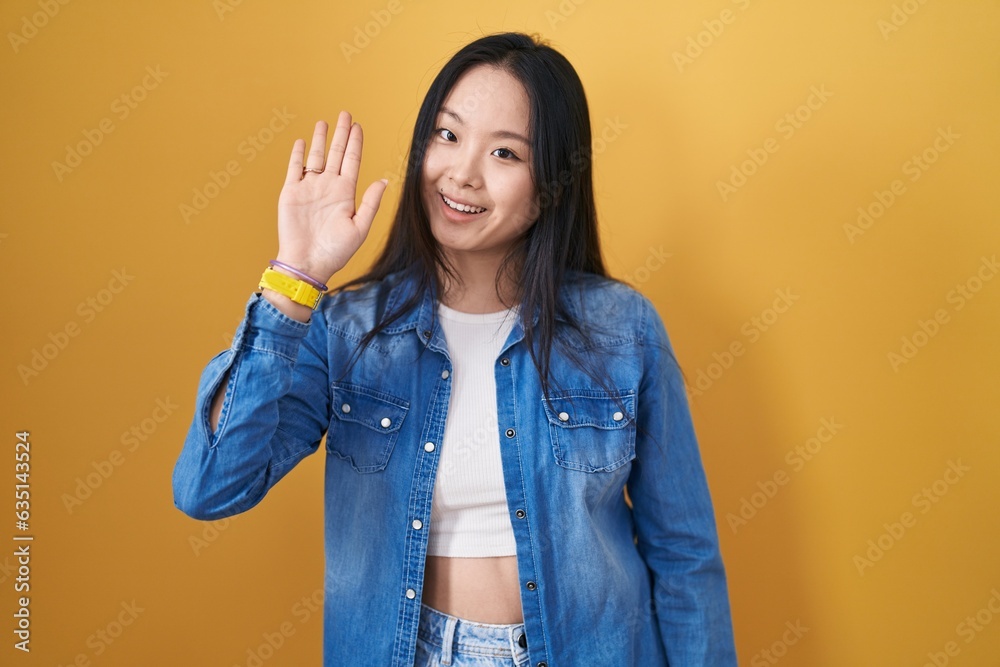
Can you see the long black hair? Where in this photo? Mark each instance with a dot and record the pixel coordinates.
(563, 238)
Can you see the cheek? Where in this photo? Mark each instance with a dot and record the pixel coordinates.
(429, 179)
(432, 164)
(517, 194)
(527, 208)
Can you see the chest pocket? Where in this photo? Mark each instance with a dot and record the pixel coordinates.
(590, 431)
(364, 426)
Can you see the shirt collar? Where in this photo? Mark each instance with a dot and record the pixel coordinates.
(423, 318)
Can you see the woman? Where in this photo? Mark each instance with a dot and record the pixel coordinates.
(512, 475)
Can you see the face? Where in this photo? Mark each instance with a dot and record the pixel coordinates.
(477, 185)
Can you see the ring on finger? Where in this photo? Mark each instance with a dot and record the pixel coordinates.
(312, 169)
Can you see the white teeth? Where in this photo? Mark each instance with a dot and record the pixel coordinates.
(462, 207)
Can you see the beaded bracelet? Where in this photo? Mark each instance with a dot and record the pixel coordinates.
(312, 281)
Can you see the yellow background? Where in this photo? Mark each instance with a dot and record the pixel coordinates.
(673, 130)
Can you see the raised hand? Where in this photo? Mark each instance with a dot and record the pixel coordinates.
(319, 228)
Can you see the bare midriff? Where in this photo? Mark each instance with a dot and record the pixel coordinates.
(475, 589)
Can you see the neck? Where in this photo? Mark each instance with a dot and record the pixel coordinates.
(477, 291)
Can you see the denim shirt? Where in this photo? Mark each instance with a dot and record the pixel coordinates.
(617, 549)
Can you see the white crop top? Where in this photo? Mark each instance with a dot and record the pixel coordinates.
(469, 515)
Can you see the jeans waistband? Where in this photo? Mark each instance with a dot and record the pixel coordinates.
(456, 635)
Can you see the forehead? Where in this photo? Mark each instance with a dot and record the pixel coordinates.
(488, 95)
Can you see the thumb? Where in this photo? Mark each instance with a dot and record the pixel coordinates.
(369, 204)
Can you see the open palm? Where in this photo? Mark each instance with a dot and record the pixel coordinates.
(319, 228)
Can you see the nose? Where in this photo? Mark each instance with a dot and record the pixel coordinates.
(464, 168)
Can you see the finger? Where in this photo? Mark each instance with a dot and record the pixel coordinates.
(351, 165)
(339, 143)
(318, 148)
(369, 205)
(295, 162)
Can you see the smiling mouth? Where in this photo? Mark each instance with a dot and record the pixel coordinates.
(462, 208)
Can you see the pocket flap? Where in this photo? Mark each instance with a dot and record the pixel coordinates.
(368, 407)
(364, 427)
(584, 407)
(590, 431)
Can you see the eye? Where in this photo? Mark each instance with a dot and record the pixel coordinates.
(509, 154)
(448, 137)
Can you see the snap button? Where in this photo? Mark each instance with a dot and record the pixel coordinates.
(563, 417)
(417, 524)
(445, 374)
(542, 664)
(410, 593)
(519, 514)
(522, 641)
(428, 446)
(345, 408)
(427, 333)
(385, 422)
(510, 433)
(531, 585)
(617, 416)
(505, 362)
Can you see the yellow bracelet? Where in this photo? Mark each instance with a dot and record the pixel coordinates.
(297, 290)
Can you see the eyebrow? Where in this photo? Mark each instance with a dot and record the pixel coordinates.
(502, 134)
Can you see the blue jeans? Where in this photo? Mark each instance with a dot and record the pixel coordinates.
(449, 641)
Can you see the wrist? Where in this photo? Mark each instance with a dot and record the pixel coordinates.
(295, 288)
(316, 274)
(286, 306)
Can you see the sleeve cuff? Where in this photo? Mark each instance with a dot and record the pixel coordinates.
(266, 328)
